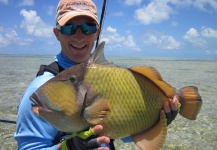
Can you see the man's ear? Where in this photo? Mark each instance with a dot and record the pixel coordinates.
(56, 32)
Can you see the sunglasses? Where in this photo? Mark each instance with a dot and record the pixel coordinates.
(86, 28)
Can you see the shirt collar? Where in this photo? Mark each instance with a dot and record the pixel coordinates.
(64, 61)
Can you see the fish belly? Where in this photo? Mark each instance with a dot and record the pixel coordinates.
(135, 101)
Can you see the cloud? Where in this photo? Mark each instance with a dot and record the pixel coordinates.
(209, 32)
(50, 10)
(132, 2)
(4, 1)
(115, 40)
(35, 27)
(161, 41)
(112, 37)
(26, 3)
(154, 12)
(193, 36)
(174, 23)
(191, 33)
(9, 36)
(160, 10)
(205, 5)
(204, 40)
(210, 52)
(110, 29)
(129, 42)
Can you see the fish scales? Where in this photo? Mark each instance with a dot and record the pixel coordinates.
(135, 101)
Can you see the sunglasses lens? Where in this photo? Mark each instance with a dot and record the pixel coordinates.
(88, 28)
(69, 29)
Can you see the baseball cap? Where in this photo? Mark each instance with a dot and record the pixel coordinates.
(68, 9)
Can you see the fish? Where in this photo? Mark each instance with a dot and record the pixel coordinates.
(126, 101)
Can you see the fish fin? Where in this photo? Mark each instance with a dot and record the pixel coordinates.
(97, 111)
(154, 138)
(98, 56)
(152, 74)
(191, 102)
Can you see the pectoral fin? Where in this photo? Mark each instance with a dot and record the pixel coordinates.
(154, 138)
(97, 111)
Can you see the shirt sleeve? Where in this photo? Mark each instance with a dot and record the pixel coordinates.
(32, 131)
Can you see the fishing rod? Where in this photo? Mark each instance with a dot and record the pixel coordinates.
(101, 20)
(7, 121)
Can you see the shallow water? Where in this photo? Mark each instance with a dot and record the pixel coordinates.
(17, 71)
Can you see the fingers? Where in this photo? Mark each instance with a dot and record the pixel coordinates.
(96, 143)
(103, 148)
(92, 143)
(174, 103)
(97, 129)
(167, 107)
(171, 109)
(171, 105)
(102, 139)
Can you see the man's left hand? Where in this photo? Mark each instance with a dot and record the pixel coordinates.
(171, 109)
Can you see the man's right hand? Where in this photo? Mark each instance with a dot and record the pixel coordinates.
(86, 140)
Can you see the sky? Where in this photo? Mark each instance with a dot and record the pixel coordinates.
(146, 28)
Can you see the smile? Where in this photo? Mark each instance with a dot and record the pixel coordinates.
(78, 47)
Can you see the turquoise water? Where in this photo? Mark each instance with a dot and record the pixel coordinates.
(17, 71)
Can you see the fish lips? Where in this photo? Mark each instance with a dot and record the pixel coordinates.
(35, 99)
(38, 106)
(41, 105)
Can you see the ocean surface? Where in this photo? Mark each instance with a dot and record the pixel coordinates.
(17, 71)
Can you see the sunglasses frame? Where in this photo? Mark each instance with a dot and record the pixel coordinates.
(68, 27)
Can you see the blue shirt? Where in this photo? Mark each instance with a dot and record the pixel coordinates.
(32, 131)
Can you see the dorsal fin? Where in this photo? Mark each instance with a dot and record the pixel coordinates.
(98, 56)
(155, 77)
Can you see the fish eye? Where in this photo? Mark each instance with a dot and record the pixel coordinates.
(73, 78)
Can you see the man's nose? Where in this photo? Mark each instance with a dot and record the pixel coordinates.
(79, 36)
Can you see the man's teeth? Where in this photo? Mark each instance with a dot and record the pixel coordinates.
(78, 46)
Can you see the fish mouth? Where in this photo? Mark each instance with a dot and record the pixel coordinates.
(41, 105)
(36, 101)
(37, 104)
(38, 107)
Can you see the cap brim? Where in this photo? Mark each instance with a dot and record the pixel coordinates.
(71, 15)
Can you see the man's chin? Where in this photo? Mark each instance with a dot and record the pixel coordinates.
(80, 58)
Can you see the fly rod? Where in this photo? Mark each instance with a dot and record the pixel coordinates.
(101, 20)
(7, 121)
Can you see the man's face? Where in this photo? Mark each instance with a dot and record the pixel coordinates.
(78, 46)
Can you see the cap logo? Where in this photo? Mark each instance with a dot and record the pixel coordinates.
(80, 6)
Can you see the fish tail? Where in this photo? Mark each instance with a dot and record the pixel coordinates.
(191, 102)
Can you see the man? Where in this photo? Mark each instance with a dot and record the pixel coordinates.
(77, 29)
